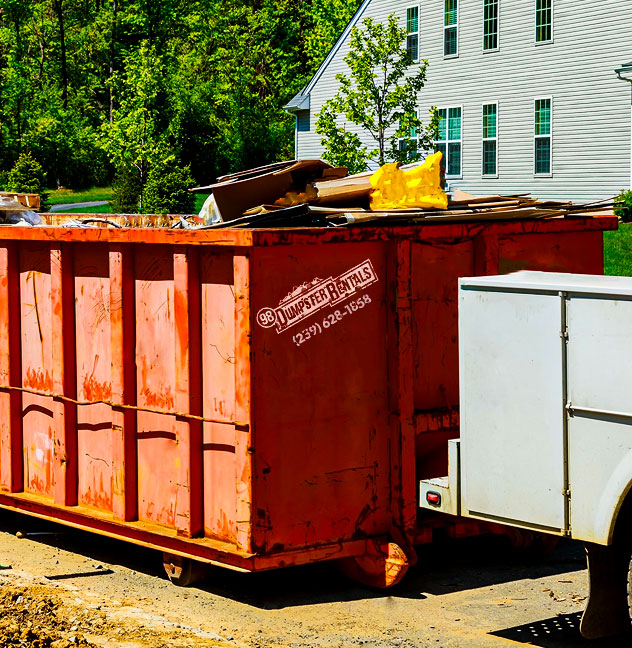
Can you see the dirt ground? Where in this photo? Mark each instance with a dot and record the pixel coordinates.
(61, 588)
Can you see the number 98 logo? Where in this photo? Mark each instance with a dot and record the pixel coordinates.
(266, 317)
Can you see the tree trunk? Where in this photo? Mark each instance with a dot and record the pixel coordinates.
(59, 10)
(112, 44)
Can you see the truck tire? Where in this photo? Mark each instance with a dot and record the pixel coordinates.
(607, 612)
(629, 585)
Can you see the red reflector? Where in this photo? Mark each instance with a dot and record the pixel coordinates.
(433, 498)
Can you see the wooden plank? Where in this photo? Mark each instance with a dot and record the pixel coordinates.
(64, 375)
(123, 378)
(11, 439)
(350, 189)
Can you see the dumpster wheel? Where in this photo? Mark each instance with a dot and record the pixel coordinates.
(382, 566)
(183, 571)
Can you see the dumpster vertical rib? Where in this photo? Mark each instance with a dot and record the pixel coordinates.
(123, 377)
(187, 321)
(11, 440)
(243, 431)
(64, 374)
(486, 261)
(403, 464)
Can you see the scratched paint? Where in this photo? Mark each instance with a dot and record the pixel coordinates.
(155, 361)
(93, 366)
(37, 368)
(317, 405)
(218, 388)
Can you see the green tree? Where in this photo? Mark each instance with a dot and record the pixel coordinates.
(200, 80)
(27, 176)
(380, 97)
(167, 191)
(138, 136)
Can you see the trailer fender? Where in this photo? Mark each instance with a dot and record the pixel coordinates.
(610, 504)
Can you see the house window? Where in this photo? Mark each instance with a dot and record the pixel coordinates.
(490, 24)
(490, 139)
(542, 144)
(543, 21)
(412, 29)
(449, 139)
(302, 121)
(450, 28)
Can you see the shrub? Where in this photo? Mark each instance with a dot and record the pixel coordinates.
(67, 149)
(167, 191)
(26, 176)
(126, 191)
(623, 206)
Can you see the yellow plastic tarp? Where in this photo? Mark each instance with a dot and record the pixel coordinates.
(416, 188)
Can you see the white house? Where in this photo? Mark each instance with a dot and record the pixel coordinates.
(527, 88)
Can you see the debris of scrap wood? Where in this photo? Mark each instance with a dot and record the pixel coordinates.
(312, 193)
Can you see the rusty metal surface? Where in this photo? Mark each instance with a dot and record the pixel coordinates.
(141, 396)
(104, 220)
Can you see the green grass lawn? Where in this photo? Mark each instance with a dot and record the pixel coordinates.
(65, 196)
(101, 209)
(617, 251)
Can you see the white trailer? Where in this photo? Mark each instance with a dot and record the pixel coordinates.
(546, 421)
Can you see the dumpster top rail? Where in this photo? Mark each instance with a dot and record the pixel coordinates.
(306, 235)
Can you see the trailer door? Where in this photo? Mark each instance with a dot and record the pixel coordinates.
(512, 404)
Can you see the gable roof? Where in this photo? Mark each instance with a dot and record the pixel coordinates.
(300, 101)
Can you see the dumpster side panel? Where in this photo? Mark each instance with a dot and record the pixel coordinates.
(435, 270)
(580, 252)
(93, 367)
(37, 368)
(218, 361)
(320, 396)
(155, 362)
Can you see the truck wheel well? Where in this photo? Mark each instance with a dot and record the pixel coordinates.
(623, 524)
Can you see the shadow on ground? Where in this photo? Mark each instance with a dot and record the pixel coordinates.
(444, 567)
(558, 632)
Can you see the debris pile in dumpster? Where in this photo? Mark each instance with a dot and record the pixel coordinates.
(312, 193)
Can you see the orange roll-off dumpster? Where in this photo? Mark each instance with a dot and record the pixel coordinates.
(248, 398)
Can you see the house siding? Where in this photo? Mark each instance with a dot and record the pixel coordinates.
(591, 109)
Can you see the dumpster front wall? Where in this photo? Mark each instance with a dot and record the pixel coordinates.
(322, 435)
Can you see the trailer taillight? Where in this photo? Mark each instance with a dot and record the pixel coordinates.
(433, 498)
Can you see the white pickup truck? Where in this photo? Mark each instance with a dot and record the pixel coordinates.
(546, 421)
